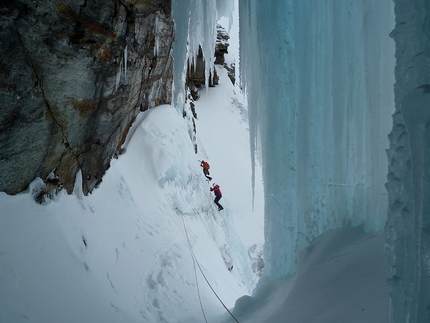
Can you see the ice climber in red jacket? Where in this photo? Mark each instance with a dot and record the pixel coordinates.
(205, 166)
(218, 195)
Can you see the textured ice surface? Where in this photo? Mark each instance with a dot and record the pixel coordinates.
(408, 225)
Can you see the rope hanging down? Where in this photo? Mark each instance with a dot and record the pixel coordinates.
(201, 271)
(197, 284)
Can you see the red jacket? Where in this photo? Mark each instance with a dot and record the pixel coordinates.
(216, 190)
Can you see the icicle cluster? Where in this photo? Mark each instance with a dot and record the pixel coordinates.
(195, 25)
(122, 68)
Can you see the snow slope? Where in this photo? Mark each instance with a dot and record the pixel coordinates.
(122, 253)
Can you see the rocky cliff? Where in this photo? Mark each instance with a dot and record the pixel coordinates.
(73, 76)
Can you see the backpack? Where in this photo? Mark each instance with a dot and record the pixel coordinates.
(205, 165)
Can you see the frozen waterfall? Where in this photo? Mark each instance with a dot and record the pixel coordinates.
(319, 78)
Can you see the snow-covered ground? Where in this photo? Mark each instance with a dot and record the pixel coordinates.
(342, 277)
(122, 253)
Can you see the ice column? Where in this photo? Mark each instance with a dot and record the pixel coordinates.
(408, 225)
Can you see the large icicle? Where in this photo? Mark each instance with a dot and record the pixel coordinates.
(122, 68)
(125, 62)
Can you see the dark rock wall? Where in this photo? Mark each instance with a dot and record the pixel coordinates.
(73, 76)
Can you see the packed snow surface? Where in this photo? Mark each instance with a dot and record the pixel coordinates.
(341, 278)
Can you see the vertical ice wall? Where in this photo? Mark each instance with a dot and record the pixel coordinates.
(319, 78)
(408, 225)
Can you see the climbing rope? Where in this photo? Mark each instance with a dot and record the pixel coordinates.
(195, 271)
(201, 271)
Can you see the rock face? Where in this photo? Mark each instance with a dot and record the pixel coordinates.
(73, 76)
(408, 225)
(221, 49)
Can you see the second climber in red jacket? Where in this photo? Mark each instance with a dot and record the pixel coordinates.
(215, 188)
